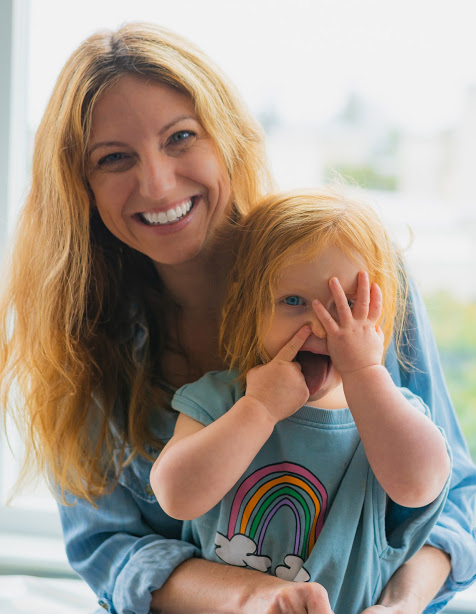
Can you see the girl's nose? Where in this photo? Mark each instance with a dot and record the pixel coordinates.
(317, 329)
(157, 176)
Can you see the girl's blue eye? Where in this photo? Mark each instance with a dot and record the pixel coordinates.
(293, 300)
(350, 303)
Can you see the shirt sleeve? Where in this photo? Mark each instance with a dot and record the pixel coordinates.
(209, 397)
(454, 532)
(117, 553)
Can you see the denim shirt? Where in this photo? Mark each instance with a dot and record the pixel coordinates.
(127, 546)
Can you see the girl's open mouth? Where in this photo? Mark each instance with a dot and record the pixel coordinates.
(315, 368)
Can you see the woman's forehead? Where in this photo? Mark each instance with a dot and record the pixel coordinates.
(135, 102)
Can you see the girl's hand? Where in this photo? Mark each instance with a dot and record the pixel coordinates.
(293, 598)
(354, 340)
(279, 385)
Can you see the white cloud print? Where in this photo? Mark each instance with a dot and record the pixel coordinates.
(292, 569)
(240, 551)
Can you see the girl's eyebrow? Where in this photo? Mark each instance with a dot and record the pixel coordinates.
(176, 120)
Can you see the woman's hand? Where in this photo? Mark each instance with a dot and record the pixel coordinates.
(382, 609)
(290, 598)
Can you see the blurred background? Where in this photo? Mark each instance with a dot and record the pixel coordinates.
(382, 93)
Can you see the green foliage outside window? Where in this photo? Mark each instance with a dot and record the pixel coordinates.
(454, 325)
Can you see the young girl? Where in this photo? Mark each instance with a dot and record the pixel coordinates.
(300, 459)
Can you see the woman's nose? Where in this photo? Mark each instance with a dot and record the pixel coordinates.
(157, 176)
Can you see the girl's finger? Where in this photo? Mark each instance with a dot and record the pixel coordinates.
(343, 309)
(362, 298)
(375, 306)
(325, 318)
(288, 352)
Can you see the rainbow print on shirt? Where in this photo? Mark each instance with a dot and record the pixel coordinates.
(256, 502)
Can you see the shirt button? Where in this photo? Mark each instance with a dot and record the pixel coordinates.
(148, 489)
(103, 604)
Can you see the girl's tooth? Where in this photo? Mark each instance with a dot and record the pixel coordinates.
(178, 210)
(162, 218)
(171, 215)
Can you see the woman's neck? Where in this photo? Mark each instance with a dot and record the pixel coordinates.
(198, 286)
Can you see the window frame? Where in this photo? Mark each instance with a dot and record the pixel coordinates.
(19, 517)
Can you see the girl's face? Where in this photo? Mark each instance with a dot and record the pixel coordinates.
(298, 285)
(159, 183)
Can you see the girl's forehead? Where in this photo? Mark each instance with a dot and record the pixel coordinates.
(301, 267)
(313, 254)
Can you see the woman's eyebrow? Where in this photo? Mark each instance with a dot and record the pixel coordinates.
(175, 121)
(105, 144)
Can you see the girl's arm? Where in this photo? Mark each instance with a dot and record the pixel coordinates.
(393, 432)
(397, 435)
(200, 464)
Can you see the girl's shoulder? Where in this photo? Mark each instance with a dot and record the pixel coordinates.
(215, 392)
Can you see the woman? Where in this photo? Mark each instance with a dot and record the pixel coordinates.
(143, 160)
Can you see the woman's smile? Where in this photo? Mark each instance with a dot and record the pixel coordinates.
(168, 216)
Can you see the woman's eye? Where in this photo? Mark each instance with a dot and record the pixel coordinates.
(350, 302)
(293, 300)
(112, 158)
(181, 136)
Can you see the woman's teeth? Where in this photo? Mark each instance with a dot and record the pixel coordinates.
(169, 216)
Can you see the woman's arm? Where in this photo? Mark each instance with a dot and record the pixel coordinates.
(203, 587)
(414, 584)
(116, 547)
(454, 532)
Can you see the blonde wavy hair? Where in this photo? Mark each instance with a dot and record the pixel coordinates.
(305, 222)
(62, 331)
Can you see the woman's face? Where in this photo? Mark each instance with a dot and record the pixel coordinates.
(159, 183)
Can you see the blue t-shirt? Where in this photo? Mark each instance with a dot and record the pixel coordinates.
(309, 507)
